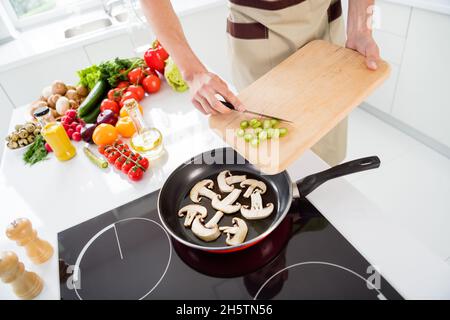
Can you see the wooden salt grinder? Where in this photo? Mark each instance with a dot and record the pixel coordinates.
(21, 231)
(25, 284)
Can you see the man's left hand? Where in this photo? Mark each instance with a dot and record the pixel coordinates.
(366, 45)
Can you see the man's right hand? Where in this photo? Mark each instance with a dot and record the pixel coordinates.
(204, 87)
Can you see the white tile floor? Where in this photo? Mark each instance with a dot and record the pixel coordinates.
(412, 186)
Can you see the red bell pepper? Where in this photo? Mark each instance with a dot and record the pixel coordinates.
(156, 56)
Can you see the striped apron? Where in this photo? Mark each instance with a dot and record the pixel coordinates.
(263, 33)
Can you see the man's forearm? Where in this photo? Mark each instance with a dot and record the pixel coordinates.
(168, 30)
(359, 13)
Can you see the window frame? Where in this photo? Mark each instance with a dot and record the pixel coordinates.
(45, 17)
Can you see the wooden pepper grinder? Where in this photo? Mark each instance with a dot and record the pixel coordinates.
(26, 284)
(21, 231)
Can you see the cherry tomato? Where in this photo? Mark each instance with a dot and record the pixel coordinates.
(128, 164)
(136, 75)
(112, 157)
(126, 96)
(149, 71)
(101, 149)
(110, 105)
(115, 94)
(151, 84)
(143, 162)
(137, 90)
(135, 173)
(126, 152)
(119, 162)
(123, 84)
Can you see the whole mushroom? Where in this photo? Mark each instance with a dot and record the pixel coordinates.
(58, 87)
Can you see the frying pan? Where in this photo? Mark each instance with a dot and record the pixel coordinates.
(174, 194)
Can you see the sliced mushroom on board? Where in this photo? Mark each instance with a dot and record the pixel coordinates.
(192, 211)
(252, 185)
(226, 205)
(256, 211)
(203, 188)
(237, 233)
(208, 232)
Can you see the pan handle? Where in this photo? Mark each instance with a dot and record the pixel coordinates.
(310, 183)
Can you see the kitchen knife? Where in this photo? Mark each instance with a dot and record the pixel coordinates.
(230, 106)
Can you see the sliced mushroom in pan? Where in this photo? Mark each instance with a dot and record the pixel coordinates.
(191, 211)
(203, 188)
(252, 185)
(221, 181)
(208, 232)
(237, 233)
(235, 179)
(226, 205)
(257, 211)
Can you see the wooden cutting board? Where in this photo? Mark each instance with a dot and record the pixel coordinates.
(316, 88)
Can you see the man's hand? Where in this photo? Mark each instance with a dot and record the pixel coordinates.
(359, 31)
(204, 87)
(366, 45)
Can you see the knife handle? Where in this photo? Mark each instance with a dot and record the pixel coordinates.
(228, 104)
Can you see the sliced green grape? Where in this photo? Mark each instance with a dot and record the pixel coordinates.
(244, 124)
(254, 142)
(240, 132)
(257, 130)
(274, 122)
(262, 135)
(256, 124)
(248, 137)
(283, 132)
(276, 133)
(267, 124)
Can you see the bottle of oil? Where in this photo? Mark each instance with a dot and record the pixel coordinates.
(146, 140)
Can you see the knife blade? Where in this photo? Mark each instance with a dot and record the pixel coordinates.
(230, 106)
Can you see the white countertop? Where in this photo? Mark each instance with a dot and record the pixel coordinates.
(57, 195)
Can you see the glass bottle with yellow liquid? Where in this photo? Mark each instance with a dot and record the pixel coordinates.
(146, 140)
(55, 135)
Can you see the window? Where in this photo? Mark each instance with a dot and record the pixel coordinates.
(27, 13)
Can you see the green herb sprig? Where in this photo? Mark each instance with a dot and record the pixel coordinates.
(36, 152)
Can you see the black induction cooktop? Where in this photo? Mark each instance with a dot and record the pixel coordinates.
(125, 253)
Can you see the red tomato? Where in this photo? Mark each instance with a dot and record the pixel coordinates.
(112, 157)
(109, 105)
(153, 60)
(128, 164)
(123, 84)
(143, 162)
(149, 71)
(115, 94)
(101, 149)
(136, 75)
(138, 90)
(135, 173)
(151, 84)
(119, 162)
(126, 96)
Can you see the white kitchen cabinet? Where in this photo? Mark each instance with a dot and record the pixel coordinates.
(25, 83)
(6, 109)
(391, 46)
(206, 33)
(120, 46)
(383, 97)
(423, 93)
(393, 18)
